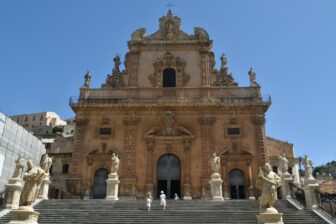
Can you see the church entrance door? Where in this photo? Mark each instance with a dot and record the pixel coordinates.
(237, 184)
(99, 185)
(168, 175)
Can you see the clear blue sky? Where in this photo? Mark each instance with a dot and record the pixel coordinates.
(46, 47)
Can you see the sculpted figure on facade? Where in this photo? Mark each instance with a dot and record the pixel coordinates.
(114, 163)
(139, 34)
(32, 177)
(170, 30)
(201, 34)
(46, 163)
(168, 121)
(283, 164)
(19, 167)
(308, 164)
(224, 78)
(267, 182)
(87, 79)
(253, 78)
(115, 79)
(215, 163)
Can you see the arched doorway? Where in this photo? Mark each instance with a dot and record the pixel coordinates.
(169, 77)
(99, 184)
(168, 175)
(237, 184)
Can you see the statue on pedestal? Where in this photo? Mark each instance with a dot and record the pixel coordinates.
(283, 164)
(46, 163)
(308, 164)
(115, 163)
(19, 167)
(215, 163)
(32, 177)
(253, 79)
(267, 182)
(87, 79)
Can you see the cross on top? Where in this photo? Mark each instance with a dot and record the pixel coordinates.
(169, 5)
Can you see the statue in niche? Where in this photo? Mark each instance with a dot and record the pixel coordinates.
(267, 182)
(215, 163)
(19, 165)
(33, 178)
(308, 164)
(253, 79)
(87, 79)
(283, 164)
(168, 122)
(46, 163)
(139, 34)
(114, 163)
(170, 31)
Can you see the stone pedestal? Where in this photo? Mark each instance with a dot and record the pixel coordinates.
(286, 178)
(44, 190)
(216, 187)
(186, 190)
(251, 193)
(24, 215)
(112, 187)
(309, 190)
(270, 216)
(13, 193)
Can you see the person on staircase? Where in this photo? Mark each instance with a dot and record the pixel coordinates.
(149, 201)
(163, 200)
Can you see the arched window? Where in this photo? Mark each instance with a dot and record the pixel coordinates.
(169, 77)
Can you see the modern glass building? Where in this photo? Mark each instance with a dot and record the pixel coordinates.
(15, 140)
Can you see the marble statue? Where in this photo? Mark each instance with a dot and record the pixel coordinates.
(308, 164)
(223, 61)
(253, 79)
(32, 177)
(87, 79)
(267, 182)
(283, 164)
(115, 163)
(117, 63)
(215, 163)
(19, 167)
(46, 163)
(170, 31)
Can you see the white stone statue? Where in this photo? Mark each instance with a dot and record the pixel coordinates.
(115, 163)
(33, 178)
(283, 164)
(215, 163)
(46, 163)
(308, 164)
(19, 167)
(268, 182)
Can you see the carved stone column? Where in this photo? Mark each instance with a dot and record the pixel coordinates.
(89, 184)
(206, 69)
(149, 185)
(187, 181)
(251, 188)
(259, 122)
(128, 178)
(207, 147)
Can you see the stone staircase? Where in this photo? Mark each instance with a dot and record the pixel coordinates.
(195, 211)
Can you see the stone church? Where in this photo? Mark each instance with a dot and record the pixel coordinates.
(164, 115)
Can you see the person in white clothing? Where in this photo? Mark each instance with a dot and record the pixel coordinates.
(163, 200)
(176, 197)
(149, 201)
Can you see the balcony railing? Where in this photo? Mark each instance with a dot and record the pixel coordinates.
(169, 95)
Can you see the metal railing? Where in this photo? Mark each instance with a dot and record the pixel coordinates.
(297, 193)
(327, 203)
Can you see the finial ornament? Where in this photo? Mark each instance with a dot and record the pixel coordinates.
(253, 80)
(87, 79)
(117, 63)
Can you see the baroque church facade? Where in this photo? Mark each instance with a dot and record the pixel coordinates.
(164, 115)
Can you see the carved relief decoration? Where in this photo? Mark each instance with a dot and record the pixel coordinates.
(169, 60)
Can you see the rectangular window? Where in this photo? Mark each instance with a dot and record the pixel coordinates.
(233, 131)
(65, 168)
(105, 131)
